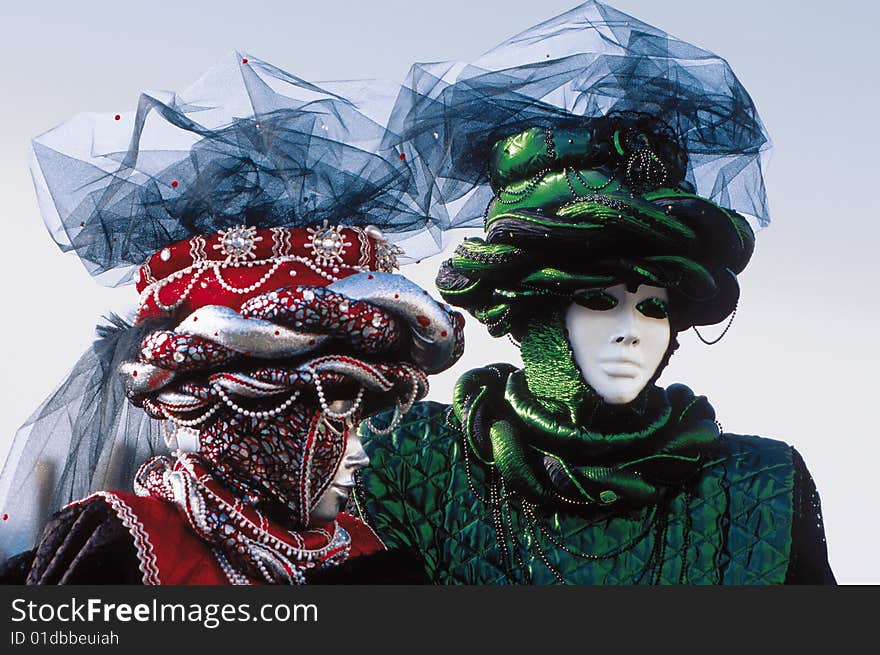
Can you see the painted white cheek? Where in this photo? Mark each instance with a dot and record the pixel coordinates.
(655, 341)
(590, 332)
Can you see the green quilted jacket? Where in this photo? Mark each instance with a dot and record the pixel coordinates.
(750, 516)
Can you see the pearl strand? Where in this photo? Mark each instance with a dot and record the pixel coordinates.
(253, 287)
(322, 400)
(262, 567)
(317, 269)
(399, 411)
(234, 577)
(260, 534)
(188, 423)
(197, 268)
(255, 414)
(182, 297)
(264, 550)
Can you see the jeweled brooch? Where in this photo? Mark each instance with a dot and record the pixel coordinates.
(328, 244)
(238, 243)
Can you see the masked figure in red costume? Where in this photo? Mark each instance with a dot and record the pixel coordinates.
(269, 322)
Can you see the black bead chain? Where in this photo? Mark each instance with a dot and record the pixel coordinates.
(686, 538)
(721, 336)
(614, 552)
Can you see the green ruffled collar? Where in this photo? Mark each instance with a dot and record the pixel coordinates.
(550, 459)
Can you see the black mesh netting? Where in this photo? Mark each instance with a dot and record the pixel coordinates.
(587, 62)
(246, 144)
(86, 436)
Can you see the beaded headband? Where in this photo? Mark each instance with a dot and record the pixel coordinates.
(230, 267)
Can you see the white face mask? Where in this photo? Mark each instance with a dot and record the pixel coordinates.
(619, 338)
(334, 498)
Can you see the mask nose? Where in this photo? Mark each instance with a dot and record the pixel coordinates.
(625, 333)
(357, 457)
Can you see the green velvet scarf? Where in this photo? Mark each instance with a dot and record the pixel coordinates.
(555, 441)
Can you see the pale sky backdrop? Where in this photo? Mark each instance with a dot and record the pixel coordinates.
(800, 363)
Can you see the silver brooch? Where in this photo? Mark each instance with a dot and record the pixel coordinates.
(238, 243)
(386, 253)
(328, 244)
(386, 257)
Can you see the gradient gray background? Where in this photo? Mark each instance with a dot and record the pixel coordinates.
(800, 363)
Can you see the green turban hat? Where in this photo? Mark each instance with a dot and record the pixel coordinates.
(594, 204)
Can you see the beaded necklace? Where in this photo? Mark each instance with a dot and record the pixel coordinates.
(247, 545)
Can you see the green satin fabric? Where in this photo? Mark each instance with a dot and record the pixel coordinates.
(543, 418)
(730, 524)
(583, 207)
(527, 153)
(665, 501)
(529, 477)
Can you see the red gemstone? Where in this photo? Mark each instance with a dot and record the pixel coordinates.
(134, 374)
(444, 333)
(424, 321)
(402, 156)
(277, 333)
(6, 517)
(370, 276)
(174, 184)
(195, 318)
(117, 117)
(244, 61)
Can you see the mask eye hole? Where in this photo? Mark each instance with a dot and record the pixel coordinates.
(653, 308)
(594, 299)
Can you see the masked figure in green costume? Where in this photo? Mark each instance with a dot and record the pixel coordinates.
(622, 195)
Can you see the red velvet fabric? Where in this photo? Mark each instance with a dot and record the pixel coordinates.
(199, 255)
(171, 554)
